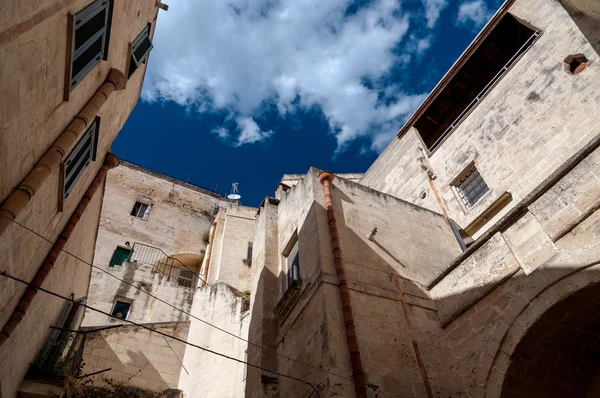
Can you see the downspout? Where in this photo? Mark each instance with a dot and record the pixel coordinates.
(110, 161)
(360, 388)
(20, 197)
(209, 248)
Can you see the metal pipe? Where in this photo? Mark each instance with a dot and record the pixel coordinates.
(110, 161)
(360, 388)
(20, 197)
(209, 248)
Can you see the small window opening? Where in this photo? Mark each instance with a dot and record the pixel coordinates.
(186, 278)
(91, 28)
(121, 309)
(575, 64)
(120, 255)
(80, 157)
(293, 265)
(248, 259)
(470, 186)
(139, 210)
(140, 49)
(488, 63)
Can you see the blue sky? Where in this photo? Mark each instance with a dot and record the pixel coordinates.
(248, 90)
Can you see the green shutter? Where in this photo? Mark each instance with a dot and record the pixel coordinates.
(119, 256)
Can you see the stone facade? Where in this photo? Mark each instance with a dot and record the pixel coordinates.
(34, 113)
(509, 311)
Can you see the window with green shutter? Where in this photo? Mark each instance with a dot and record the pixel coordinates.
(140, 48)
(120, 255)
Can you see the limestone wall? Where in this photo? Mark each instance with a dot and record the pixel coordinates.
(532, 121)
(206, 374)
(33, 113)
(136, 356)
(233, 235)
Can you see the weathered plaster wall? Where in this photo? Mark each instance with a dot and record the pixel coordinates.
(33, 42)
(229, 260)
(136, 356)
(535, 118)
(209, 375)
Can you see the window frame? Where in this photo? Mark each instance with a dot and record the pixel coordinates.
(81, 18)
(292, 263)
(181, 277)
(144, 206)
(133, 61)
(112, 257)
(69, 180)
(461, 193)
(123, 300)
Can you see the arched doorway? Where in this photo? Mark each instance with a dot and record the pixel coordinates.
(559, 356)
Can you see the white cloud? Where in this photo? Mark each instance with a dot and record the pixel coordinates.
(473, 13)
(433, 9)
(237, 56)
(221, 132)
(250, 132)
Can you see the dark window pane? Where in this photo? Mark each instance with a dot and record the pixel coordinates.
(142, 211)
(92, 54)
(132, 67)
(88, 29)
(136, 209)
(141, 50)
(121, 310)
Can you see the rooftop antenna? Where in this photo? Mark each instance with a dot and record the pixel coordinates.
(189, 175)
(125, 154)
(234, 195)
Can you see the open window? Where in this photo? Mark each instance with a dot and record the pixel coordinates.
(121, 307)
(292, 261)
(90, 37)
(120, 255)
(496, 54)
(142, 208)
(140, 49)
(80, 157)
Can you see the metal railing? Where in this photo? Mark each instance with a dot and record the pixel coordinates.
(163, 263)
(487, 87)
(61, 357)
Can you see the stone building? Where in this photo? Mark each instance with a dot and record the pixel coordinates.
(163, 263)
(71, 73)
(465, 262)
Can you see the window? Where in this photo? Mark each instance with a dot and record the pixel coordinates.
(139, 210)
(186, 278)
(80, 157)
(487, 63)
(121, 309)
(293, 265)
(470, 186)
(90, 34)
(140, 48)
(120, 255)
(248, 259)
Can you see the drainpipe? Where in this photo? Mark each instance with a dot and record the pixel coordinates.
(213, 226)
(325, 178)
(110, 161)
(20, 197)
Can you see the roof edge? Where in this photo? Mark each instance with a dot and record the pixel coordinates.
(483, 34)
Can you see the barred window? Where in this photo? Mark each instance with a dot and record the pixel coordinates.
(186, 278)
(471, 187)
(80, 157)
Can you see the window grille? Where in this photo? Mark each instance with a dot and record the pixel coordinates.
(140, 48)
(91, 28)
(80, 157)
(121, 309)
(139, 210)
(471, 187)
(186, 278)
(120, 255)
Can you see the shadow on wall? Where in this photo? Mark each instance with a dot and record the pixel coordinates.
(518, 332)
(135, 358)
(585, 21)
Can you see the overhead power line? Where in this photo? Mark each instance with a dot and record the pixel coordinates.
(52, 293)
(182, 310)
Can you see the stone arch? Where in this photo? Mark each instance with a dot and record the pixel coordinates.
(549, 306)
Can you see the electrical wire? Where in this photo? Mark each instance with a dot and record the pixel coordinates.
(51, 293)
(180, 309)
